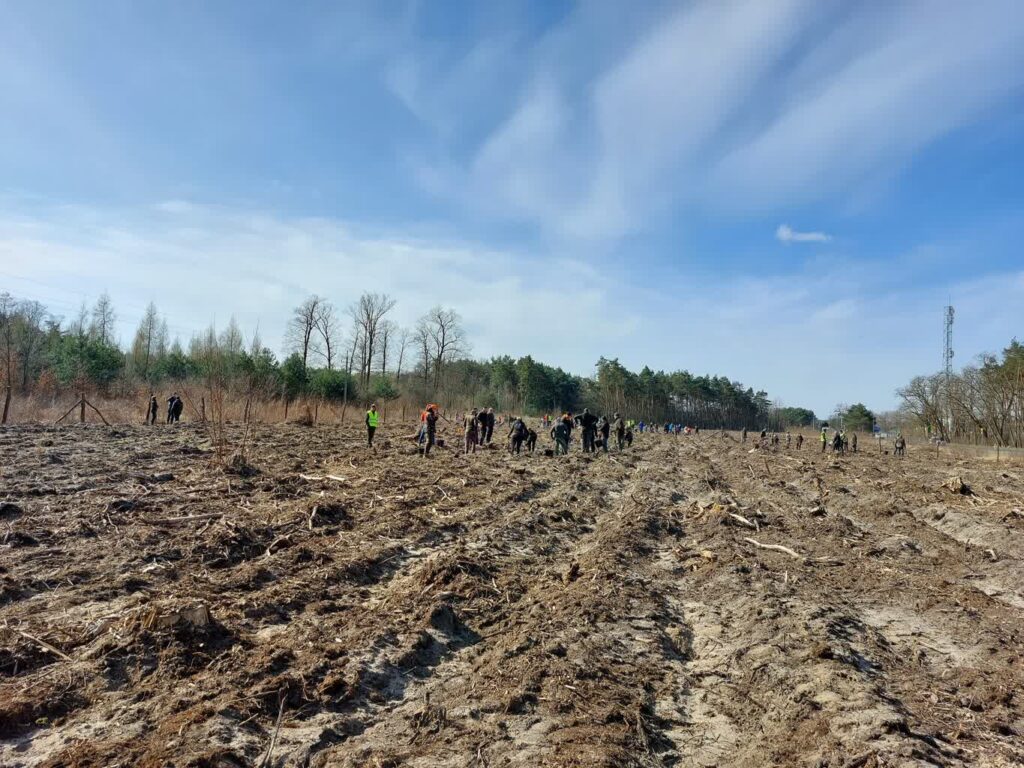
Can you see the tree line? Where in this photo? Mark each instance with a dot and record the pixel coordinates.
(353, 355)
(982, 403)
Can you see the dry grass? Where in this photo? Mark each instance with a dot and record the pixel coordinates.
(46, 409)
(202, 403)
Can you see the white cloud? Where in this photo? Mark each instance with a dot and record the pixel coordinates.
(916, 74)
(786, 234)
(826, 331)
(725, 106)
(202, 264)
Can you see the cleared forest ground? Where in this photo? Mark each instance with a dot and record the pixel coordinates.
(330, 606)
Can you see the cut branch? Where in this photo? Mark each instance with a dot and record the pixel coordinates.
(185, 519)
(335, 478)
(45, 645)
(775, 548)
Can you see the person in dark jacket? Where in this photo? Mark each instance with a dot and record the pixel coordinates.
(516, 435)
(490, 425)
(620, 432)
(471, 430)
(605, 428)
(175, 406)
(154, 408)
(429, 430)
(588, 423)
(531, 440)
(481, 425)
(560, 434)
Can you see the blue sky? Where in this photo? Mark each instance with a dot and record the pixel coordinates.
(786, 192)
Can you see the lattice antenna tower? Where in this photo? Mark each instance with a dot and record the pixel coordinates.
(947, 351)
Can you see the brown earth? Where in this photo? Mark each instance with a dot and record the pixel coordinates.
(321, 604)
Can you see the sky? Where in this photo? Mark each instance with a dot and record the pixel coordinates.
(785, 192)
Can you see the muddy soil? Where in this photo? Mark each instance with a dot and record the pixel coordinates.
(692, 601)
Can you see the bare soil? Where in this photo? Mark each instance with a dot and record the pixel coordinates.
(321, 604)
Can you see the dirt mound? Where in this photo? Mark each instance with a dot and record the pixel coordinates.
(687, 602)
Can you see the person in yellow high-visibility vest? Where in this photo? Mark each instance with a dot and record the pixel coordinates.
(372, 420)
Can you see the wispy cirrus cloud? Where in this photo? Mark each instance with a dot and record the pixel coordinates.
(733, 107)
(786, 234)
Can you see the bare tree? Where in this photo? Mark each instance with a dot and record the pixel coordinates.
(350, 353)
(231, 341)
(147, 339)
(350, 358)
(387, 333)
(301, 328)
(29, 334)
(328, 327)
(7, 312)
(440, 334)
(924, 397)
(163, 339)
(422, 338)
(80, 325)
(367, 315)
(403, 340)
(103, 318)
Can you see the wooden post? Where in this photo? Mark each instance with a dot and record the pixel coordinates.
(202, 408)
(81, 412)
(98, 413)
(7, 403)
(66, 414)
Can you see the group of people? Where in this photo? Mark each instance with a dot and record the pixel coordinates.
(669, 428)
(841, 443)
(478, 427)
(478, 430)
(175, 406)
(595, 432)
(774, 440)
